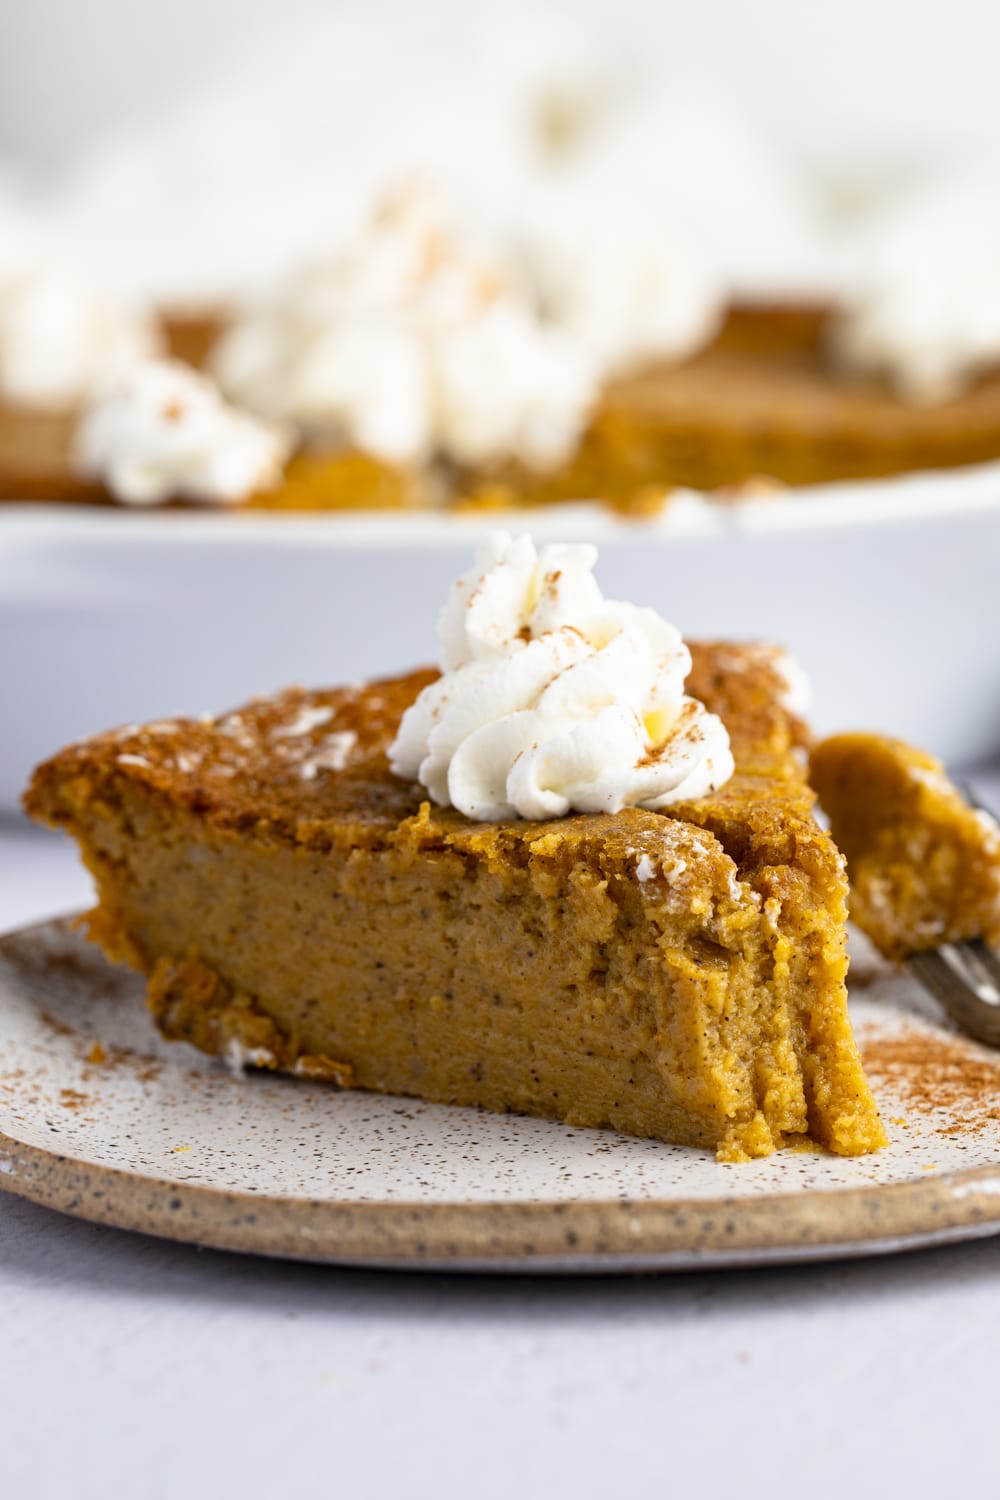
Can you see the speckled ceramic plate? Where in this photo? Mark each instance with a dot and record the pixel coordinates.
(101, 1119)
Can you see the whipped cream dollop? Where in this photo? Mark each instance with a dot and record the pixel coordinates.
(925, 315)
(625, 284)
(678, 170)
(553, 698)
(61, 335)
(411, 343)
(163, 431)
(927, 339)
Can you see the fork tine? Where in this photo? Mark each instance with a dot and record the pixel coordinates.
(936, 971)
(936, 975)
(987, 958)
(967, 962)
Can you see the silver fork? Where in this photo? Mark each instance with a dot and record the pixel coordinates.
(964, 978)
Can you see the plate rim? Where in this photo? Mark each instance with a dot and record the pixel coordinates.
(527, 1235)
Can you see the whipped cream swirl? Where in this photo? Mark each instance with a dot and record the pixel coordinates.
(162, 431)
(924, 312)
(553, 698)
(411, 344)
(929, 339)
(629, 290)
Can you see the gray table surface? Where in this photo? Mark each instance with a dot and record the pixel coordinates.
(136, 1368)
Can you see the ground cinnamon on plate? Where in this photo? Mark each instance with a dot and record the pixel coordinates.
(932, 1074)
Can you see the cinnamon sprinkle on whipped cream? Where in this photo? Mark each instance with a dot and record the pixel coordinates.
(554, 699)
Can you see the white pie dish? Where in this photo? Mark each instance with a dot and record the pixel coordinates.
(885, 590)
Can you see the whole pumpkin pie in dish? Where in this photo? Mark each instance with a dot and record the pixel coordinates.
(760, 402)
(300, 901)
(589, 371)
(417, 365)
(417, 368)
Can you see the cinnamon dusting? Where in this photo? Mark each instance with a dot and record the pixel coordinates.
(932, 1075)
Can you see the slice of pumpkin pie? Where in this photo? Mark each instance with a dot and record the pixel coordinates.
(576, 874)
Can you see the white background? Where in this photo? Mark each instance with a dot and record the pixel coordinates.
(883, 76)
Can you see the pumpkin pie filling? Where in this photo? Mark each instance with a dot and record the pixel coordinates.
(924, 865)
